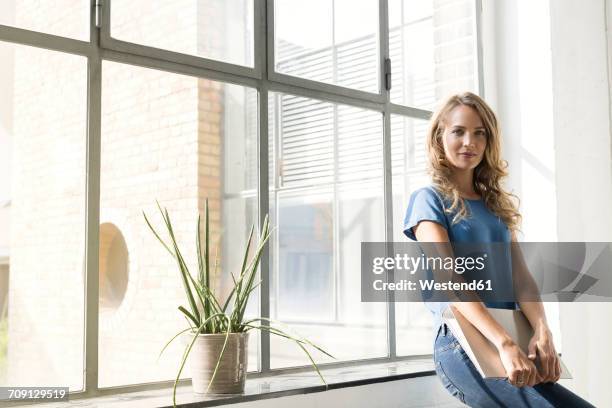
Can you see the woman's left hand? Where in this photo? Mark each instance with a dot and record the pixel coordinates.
(541, 346)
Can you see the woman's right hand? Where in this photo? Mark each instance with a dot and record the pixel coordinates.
(521, 371)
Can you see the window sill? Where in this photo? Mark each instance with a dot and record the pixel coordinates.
(273, 386)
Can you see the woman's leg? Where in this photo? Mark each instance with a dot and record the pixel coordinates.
(554, 392)
(463, 381)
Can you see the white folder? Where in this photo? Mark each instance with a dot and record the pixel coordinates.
(481, 351)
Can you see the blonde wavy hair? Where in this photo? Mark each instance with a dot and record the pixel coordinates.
(489, 173)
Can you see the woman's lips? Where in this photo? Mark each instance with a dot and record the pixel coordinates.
(467, 154)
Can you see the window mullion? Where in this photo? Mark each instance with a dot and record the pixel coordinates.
(261, 44)
(383, 16)
(479, 48)
(92, 211)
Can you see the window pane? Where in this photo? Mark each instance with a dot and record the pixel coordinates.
(179, 140)
(305, 257)
(214, 29)
(433, 50)
(42, 217)
(327, 198)
(409, 163)
(67, 18)
(342, 50)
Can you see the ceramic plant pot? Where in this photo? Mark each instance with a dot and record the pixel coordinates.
(232, 369)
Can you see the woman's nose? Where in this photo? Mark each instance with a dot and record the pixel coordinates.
(468, 140)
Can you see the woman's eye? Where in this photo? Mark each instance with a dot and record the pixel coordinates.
(456, 131)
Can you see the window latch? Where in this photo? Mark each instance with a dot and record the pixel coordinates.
(388, 74)
(98, 13)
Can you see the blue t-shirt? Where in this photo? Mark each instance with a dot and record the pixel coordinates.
(481, 226)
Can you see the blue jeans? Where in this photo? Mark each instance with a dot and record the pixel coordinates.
(465, 383)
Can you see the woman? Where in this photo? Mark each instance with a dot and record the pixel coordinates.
(466, 203)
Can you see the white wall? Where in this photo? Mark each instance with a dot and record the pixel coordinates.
(517, 73)
(584, 178)
(546, 69)
(518, 84)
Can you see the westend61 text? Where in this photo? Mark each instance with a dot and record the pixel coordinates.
(406, 285)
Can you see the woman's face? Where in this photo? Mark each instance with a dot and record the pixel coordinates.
(464, 138)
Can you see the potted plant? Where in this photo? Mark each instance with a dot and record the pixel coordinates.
(218, 330)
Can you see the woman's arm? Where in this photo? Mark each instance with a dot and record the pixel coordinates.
(515, 361)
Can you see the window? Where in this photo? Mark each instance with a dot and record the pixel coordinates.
(67, 18)
(433, 50)
(409, 159)
(327, 199)
(216, 29)
(179, 103)
(180, 142)
(342, 50)
(43, 209)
